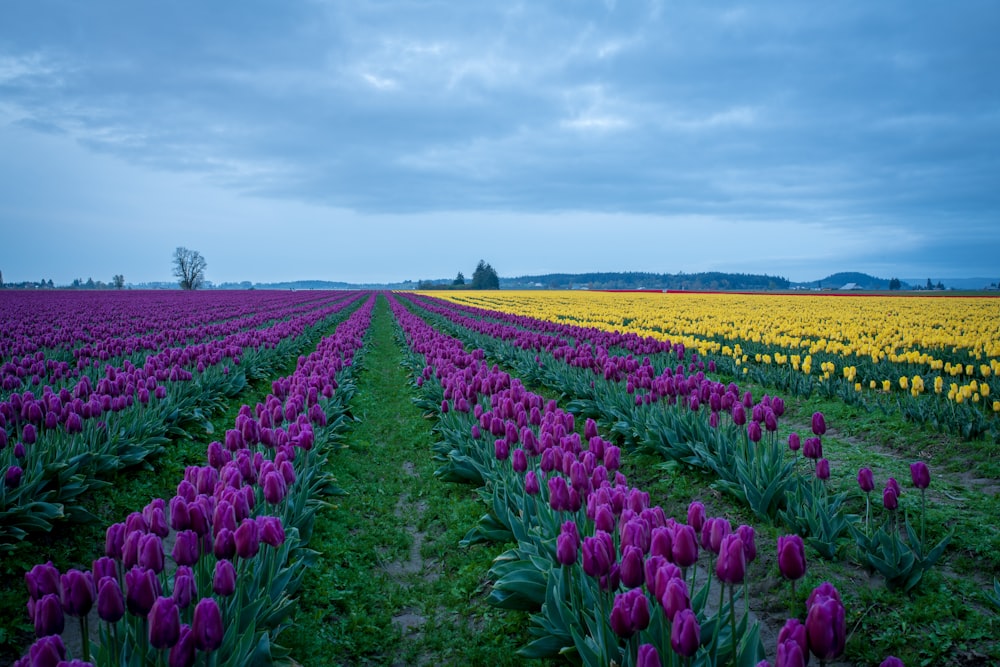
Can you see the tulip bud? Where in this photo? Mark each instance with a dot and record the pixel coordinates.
(685, 634)
(182, 654)
(892, 661)
(247, 539)
(272, 532)
(675, 597)
(12, 478)
(731, 565)
(696, 515)
(630, 613)
(920, 474)
(790, 654)
(794, 442)
(823, 469)
(631, 568)
(42, 579)
(78, 592)
(164, 623)
(826, 628)
(185, 588)
(49, 618)
(224, 580)
(685, 546)
(48, 651)
(207, 625)
(866, 480)
(110, 601)
(104, 567)
(791, 557)
(818, 423)
(647, 656)
(142, 588)
(531, 486)
(889, 499)
(566, 549)
(151, 552)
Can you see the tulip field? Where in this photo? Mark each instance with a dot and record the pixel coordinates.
(662, 479)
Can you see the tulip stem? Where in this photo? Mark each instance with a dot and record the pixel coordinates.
(732, 622)
(85, 634)
(923, 493)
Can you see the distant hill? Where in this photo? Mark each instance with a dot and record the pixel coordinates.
(712, 280)
(863, 281)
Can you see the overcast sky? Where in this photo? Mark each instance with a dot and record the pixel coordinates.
(399, 139)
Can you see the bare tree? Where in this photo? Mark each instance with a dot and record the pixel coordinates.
(118, 280)
(189, 268)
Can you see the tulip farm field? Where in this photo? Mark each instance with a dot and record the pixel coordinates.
(498, 478)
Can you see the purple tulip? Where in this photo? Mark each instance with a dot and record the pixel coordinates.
(272, 532)
(142, 588)
(104, 567)
(12, 478)
(151, 552)
(793, 630)
(794, 443)
(866, 480)
(247, 539)
(685, 547)
(49, 618)
(823, 469)
(519, 460)
(567, 549)
(224, 580)
(185, 589)
(630, 613)
(207, 625)
(501, 450)
(712, 533)
(826, 628)
(186, 550)
(182, 654)
(696, 515)
(531, 486)
(164, 623)
(598, 554)
(275, 488)
(110, 601)
(731, 566)
(818, 423)
(685, 634)
(894, 485)
(790, 654)
(29, 434)
(558, 493)
(43, 579)
(889, 499)
(812, 448)
(753, 431)
(631, 568)
(791, 557)
(675, 597)
(78, 592)
(892, 661)
(647, 656)
(920, 474)
(46, 652)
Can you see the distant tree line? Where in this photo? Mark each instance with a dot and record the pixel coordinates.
(711, 280)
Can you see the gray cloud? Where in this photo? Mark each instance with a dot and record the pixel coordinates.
(877, 121)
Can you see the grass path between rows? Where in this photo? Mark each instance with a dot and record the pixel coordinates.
(391, 586)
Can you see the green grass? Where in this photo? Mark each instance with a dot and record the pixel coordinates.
(359, 584)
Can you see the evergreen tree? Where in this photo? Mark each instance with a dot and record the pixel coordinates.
(485, 277)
